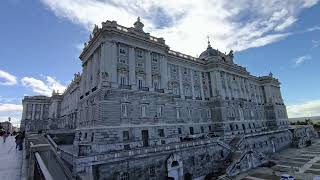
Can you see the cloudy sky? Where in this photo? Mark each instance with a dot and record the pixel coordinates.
(42, 39)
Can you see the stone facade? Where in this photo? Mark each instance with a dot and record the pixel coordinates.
(143, 111)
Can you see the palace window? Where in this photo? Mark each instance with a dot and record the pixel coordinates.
(92, 137)
(175, 89)
(202, 129)
(160, 110)
(154, 57)
(125, 135)
(187, 91)
(122, 50)
(122, 80)
(208, 113)
(154, 67)
(152, 171)
(139, 53)
(191, 130)
(179, 131)
(140, 83)
(124, 110)
(155, 84)
(161, 132)
(190, 113)
(143, 111)
(185, 72)
(139, 64)
(124, 176)
(178, 113)
(122, 60)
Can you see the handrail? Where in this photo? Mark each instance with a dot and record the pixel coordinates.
(55, 150)
(42, 166)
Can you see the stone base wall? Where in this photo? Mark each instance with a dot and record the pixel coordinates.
(195, 162)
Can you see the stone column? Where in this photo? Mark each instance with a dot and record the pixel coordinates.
(24, 112)
(219, 85)
(207, 83)
(164, 73)
(88, 81)
(227, 86)
(254, 93)
(113, 59)
(103, 67)
(201, 86)
(240, 88)
(41, 111)
(212, 84)
(33, 111)
(94, 70)
(148, 70)
(180, 83)
(249, 89)
(83, 80)
(192, 84)
(132, 68)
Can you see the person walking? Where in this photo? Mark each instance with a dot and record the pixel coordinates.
(5, 135)
(18, 140)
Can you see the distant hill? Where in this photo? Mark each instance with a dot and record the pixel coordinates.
(312, 118)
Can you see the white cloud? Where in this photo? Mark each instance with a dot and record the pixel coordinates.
(5, 107)
(305, 109)
(233, 24)
(315, 43)
(13, 111)
(43, 87)
(300, 60)
(7, 79)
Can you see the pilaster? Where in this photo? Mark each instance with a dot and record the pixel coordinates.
(112, 55)
(212, 84)
(220, 92)
(164, 73)
(132, 68)
(180, 83)
(192, 84)
(201, 85)
(148, 70)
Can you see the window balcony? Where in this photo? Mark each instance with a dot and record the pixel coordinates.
(188, 97)
(159, 90)
(123, 86)
(176, 96)
(144, 88)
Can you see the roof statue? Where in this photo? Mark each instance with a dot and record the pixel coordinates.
(231, 53)
(270, 74)
(138, 25)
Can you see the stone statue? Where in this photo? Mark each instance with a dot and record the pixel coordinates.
(230, 54)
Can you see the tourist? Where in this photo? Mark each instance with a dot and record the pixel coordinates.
(5, 135)
(19, 141)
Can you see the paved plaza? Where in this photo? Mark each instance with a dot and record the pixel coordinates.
(10, 160)
(302, 163)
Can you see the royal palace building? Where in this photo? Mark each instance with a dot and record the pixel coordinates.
(140, 110)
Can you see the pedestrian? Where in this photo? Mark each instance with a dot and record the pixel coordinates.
(18, 140)
(5, 135)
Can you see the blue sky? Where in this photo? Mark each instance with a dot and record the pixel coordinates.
(42, 39)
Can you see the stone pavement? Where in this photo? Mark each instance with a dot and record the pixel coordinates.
(10, 160)
(303, 164)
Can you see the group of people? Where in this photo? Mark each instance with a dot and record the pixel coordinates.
(19, 137)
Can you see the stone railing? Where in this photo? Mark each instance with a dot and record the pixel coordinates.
(43, 160)
(178, 54)
(113, 156)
